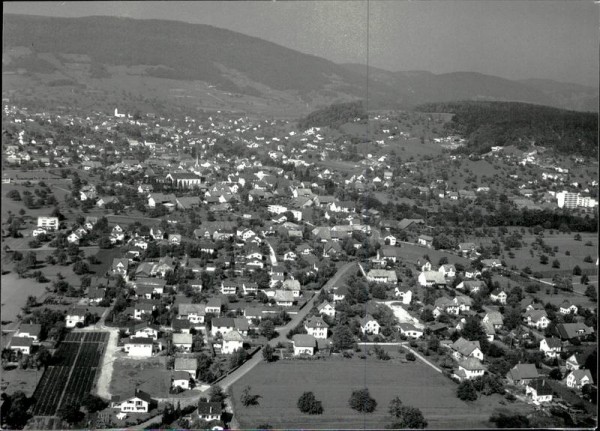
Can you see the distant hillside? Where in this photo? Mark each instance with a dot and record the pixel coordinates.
(202, 65)
(418, 87)
(487, 124)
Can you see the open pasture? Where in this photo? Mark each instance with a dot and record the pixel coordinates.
(280, 384)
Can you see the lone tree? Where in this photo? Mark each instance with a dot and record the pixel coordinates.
(361, 401)
(268, 353)
(249, 399)
(216, 394)
(405, 417)
(466, 391)
(307, 403)
(342, 338)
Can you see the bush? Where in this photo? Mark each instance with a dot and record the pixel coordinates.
(502, 420)
(361, 401)
(307, 403)
(410, 356)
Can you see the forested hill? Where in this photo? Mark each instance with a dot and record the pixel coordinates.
(334, 115)
(487, 124)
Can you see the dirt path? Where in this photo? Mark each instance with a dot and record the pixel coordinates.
(108, 360)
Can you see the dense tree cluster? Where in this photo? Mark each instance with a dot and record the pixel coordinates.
(487, 124)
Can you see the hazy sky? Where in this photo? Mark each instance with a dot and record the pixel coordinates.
(512, 39)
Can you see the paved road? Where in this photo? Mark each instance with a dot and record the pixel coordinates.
(257, 358)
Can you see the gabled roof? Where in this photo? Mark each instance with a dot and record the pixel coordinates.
(316, 322)
(304, 340)
(182, 338)
(368, 318)
(187, 309)
(523, 371)
(30, 328)
(139, 340)
(133, 394)
(284, 296)
(472, 364)
(17, 341)
(209, 408)
(580, 374)
(233, 336)
(540, 386)
(553, 343)
(182, 364)
(223, 322)
(570, 330)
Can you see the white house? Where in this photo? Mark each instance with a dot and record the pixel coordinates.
(209, 411)
(578, 378)
(304, 344)
(232, 341)
(138, 402)
(369, 325)
(470, 368)
(551, 347)
(327, 309)
(431, 278)
(448, 271)
(403, 293)
(539, 391)
(48, 223)
(316, 327)
(21, 344)
(189, 365)
(75, 316)
(183, 342)
(498, 295)
(193, 312)
(180, 379)
(410, 330)
(139, 347)
(567, 308)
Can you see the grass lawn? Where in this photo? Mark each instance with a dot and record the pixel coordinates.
(412, 253)
(565, 242)
(148, 374)
(14, 294)
(281, 383)
(20, 380)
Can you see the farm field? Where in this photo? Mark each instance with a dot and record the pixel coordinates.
(281, 383)
(73, 373)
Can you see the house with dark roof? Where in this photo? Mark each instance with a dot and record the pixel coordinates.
(21, 344)
(31, 330)
(135, 402)
(522, 374)
(209, 411)
(569, 331)
(539, 391)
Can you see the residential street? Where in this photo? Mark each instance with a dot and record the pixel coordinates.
(257, 358)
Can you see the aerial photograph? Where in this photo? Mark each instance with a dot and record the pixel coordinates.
(299, 215)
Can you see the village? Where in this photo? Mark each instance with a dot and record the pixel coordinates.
(169, 258)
